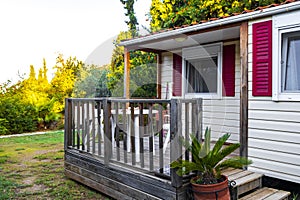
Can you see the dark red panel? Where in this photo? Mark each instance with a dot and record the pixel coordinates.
(262, 59)
(228, 71)
(177, 75)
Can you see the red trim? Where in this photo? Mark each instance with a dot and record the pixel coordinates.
(228, 71)
(177, 75)
(262, 59)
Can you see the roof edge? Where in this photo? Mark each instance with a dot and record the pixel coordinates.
(211, 24)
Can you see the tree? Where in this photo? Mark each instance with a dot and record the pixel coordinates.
(143, 77)
(42, 80)
(34, 103)
(142, 73)
(91, 78)
(160, 13)
(115, 74)
(63, 81)
(132, 23)
(175, 13)
(29, 88)
(35, 91)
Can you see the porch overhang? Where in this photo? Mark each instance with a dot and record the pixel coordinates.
(180, 41)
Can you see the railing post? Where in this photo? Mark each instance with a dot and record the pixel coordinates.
(175, 150)
(199, 119)
(68, 123)
(161, 136)
(132, 134)
(107, 131)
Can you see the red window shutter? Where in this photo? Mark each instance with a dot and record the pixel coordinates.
(177, 75)
(228, 71)
(262, 59)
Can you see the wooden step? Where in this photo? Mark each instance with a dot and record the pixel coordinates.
(245, 181)
(267, 194)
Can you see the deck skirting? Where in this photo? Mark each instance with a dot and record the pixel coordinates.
(116, 182)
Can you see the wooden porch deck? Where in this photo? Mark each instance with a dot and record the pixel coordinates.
(122, 148)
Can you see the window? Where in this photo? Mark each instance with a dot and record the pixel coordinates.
(286, 57)
(201, 75)
(290, 63)
(202, 68)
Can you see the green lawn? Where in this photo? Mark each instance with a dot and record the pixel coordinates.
(31, 167)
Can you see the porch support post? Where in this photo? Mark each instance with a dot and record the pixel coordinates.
(158, 84)
(68, 123)
(244, 90)
(175, 151)
(126, 73)
(107, 131)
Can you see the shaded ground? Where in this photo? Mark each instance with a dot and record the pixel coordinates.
(31, 167)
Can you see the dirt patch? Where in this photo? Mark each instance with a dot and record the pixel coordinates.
(29, 180)
(45, 151)
(35, 170)
(30, 187)
(32, 190)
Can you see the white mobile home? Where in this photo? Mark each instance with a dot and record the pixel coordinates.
(246, 68)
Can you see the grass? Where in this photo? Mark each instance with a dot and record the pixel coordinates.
(32, 167)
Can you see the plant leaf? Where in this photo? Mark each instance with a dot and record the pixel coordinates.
(185, 166)
(206, 145)
(195, 148)
(225, 152)
(235, 162)
(220, 143)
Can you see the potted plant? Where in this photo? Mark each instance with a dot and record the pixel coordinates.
(207, 164)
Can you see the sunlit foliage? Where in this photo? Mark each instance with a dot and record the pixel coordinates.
(90, 79)
(142, 71)
(175, 13)
(132, 22)
(63, 81)
(142, 64)
(33, 103)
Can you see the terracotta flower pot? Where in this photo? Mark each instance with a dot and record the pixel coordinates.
(219, 191)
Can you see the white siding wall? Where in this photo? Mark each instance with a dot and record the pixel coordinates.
(274, 133)
(166, 74)
(221, 115)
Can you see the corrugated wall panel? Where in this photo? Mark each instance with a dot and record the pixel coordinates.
(223, 115)
(166, 75)
(274, 131)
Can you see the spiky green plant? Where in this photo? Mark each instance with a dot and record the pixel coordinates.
(208, 162)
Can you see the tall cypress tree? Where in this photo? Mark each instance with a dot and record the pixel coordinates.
(132, 23)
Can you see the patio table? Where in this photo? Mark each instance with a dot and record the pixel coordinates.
(136, 124)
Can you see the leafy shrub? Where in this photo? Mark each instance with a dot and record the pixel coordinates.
(175, 13)
(3, 124)
(17, 117)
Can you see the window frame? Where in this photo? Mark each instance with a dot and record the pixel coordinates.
(278, 93)
(211, 50)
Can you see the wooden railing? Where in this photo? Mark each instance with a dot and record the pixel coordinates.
(140, 134)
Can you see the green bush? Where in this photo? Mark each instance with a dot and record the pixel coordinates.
(17, 117)
(3, 124)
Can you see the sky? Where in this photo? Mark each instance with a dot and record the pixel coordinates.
(31, 30)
